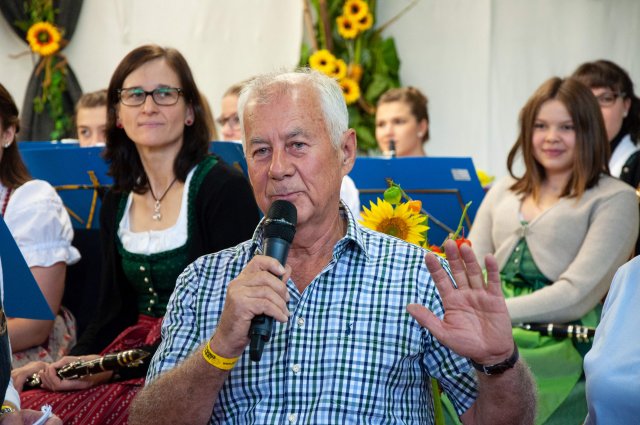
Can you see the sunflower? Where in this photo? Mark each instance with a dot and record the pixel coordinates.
(354, 71)
(339, 69)
(365, 23)
(323, 61)
(44, 38)
(399, 221)
(347, 27)
(355, 9)
(350, 90)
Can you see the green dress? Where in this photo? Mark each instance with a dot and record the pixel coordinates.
(556, 364)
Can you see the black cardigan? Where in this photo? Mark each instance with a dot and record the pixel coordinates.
(225, 215)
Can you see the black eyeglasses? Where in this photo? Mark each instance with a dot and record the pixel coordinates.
(608, 98)
(163, 96)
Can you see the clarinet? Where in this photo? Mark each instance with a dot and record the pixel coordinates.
(80, 368)
(575, 332)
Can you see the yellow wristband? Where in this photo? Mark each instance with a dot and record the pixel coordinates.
(217, 361)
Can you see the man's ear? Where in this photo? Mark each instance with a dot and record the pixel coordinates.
(349, 148)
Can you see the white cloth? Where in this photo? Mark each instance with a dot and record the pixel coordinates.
(40, 225)
(621, 154)
(154, 241)
(350, 196)
(612, 366)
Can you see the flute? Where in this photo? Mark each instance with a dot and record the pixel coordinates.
(576, 332)
(80, 368)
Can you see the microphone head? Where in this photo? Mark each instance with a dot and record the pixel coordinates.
(281, 221)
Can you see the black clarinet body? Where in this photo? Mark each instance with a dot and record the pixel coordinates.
(78, 369)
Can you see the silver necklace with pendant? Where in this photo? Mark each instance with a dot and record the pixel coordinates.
(157, 216)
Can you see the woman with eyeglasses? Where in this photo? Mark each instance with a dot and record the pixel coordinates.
(559, 231)
(620, 108)
(170, 203)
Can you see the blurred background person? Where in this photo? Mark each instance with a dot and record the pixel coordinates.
(228, 120)
(38, 221)
(559, 232)
(170, 203)
(402, 115)
(91, 118)
(620, 108)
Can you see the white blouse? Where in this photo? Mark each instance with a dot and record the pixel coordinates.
(40, 224)
(154, 241)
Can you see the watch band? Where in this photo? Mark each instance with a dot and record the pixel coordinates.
(499, 368)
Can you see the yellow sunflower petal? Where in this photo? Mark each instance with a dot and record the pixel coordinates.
(323, 61)
(355, 9)
(365, 23)
(399, 221)
(339, 69)
(347, 27)
(350, 90)
(44, 38)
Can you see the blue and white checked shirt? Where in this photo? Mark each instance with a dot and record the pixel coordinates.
(350, 352)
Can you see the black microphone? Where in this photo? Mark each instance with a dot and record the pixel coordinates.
(279, 229)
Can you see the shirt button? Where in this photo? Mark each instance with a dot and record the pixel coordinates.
(151, 289)
(148, 308)
(142, 268)
(292, 417)
(152, 302)
(146, 280)
(517, 248)
(295, 368)
(516, 261)
(300, 322)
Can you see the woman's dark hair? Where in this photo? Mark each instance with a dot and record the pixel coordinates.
(417, 101)
(606, 74)
(592, 146)
(124, 161)
(13, 172)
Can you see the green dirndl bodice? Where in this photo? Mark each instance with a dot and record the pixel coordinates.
(556, 364)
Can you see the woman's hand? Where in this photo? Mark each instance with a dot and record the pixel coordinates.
(21, 374)
(51, 381)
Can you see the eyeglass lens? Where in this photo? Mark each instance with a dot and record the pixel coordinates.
(232, 120)
(164, 96)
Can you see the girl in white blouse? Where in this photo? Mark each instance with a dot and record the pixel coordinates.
(39, 223)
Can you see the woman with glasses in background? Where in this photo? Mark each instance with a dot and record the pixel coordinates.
(620, 108)
(170, 203)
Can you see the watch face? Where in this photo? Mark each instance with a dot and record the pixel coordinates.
(6, 409)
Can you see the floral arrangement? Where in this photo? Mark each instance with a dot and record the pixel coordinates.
(406, 219)
(345, 44)
(46, 40)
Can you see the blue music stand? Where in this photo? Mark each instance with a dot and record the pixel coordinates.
(76, 173)
(231, 153)
(444, 185)
(22, 295)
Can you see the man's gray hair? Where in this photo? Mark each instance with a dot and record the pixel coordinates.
(334, 109)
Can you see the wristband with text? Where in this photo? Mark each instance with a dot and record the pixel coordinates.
(218, 361)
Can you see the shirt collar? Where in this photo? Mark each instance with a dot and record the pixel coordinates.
(352, 237)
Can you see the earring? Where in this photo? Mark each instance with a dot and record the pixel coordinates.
(6, 145)
(119, 124)
(188, 121)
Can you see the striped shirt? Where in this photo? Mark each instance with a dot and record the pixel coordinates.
(350, 353)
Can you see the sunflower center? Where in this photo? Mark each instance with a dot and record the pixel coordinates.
(394, 226)
(43, 37)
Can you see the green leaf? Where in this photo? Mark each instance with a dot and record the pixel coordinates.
(378, 85)
(390, 55)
